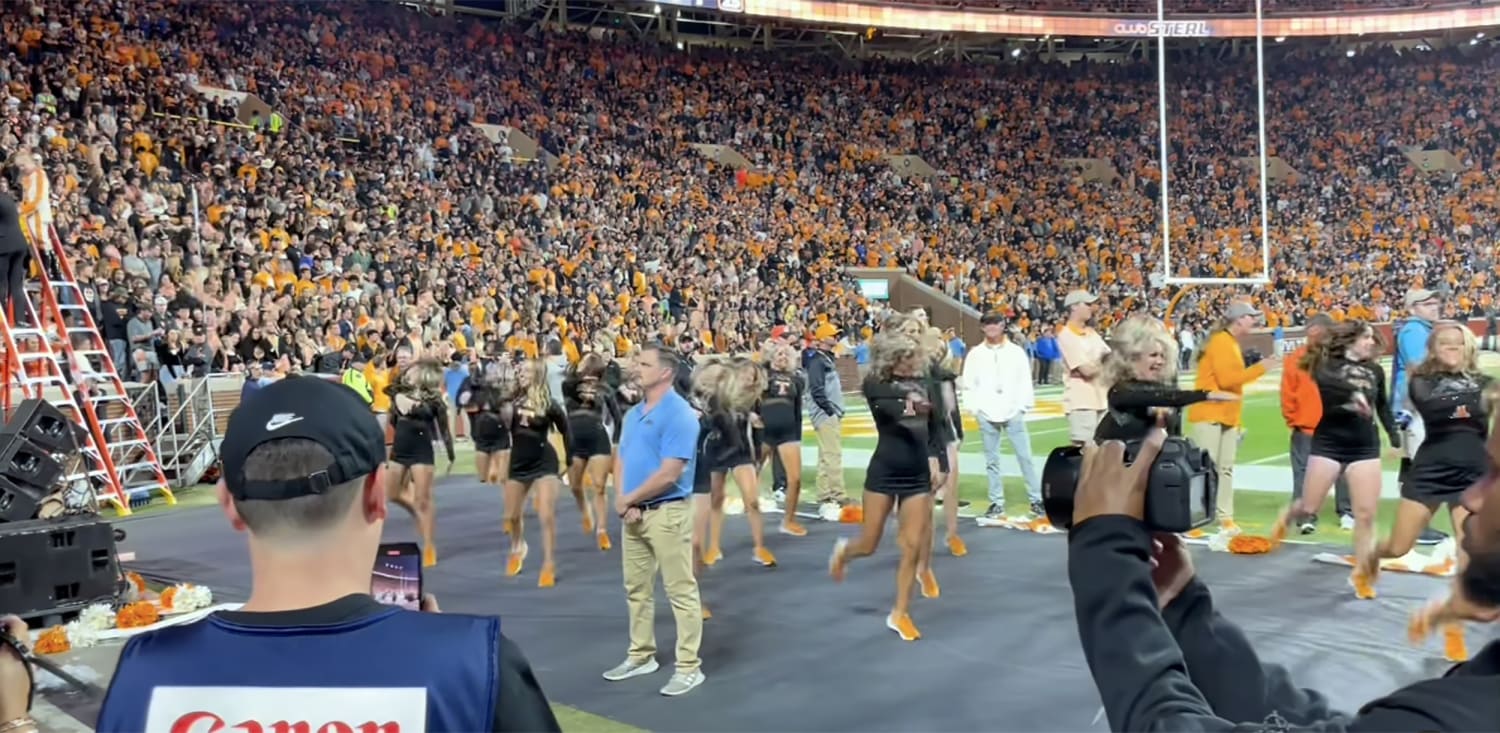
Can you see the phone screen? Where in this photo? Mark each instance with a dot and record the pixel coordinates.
(397, 577)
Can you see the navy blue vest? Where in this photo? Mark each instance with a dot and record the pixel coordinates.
(392, 672)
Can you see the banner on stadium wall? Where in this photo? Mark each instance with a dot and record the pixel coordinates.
(1264, 339)
(1011, 23)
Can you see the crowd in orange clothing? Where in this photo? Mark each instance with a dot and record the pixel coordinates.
(371, 210)
(1195, 7)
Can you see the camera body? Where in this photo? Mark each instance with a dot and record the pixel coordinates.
(1182, 489)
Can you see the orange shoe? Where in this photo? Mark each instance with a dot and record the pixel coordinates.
(1454, 647)
(707, 614)
(852, 514)
(712, 556)
(903, 626)
(764, 557)
(429, 556)
(548, 577)
(929, 585)
(836, 561)
(956, 546)
(1364, 585)
(515, 561)
(792, 527)
(604, 543)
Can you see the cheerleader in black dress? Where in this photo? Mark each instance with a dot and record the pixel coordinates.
(705, 381)
(732, 394)
(780, 418)
(1143, 392)
(593, 414)
(900, 473)
(483, 396)
(532, 416)
(418, 416)
(1455, 401)
(1346, 440)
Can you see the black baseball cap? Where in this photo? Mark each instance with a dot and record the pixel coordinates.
(991, 318)
(324, 412)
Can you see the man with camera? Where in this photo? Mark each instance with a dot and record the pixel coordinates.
(1164, 660)
(303, 479)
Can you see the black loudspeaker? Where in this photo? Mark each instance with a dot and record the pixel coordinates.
(55, 566)
(45, 426)
(25, 463)
(19, 502)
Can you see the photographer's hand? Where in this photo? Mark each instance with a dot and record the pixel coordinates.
(1108, 486)
(1171, 567)
(15, 680)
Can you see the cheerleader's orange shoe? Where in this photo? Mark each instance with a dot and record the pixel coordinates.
(1455, 649)
(927, 581)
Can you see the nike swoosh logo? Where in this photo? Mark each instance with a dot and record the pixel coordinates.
(277, 423)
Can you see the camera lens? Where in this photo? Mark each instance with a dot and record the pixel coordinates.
(1060, 476)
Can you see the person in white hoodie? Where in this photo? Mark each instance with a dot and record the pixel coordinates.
(997, 390)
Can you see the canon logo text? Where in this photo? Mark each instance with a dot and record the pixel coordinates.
(205, 722)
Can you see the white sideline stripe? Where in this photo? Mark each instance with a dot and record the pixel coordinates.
(1268, 459)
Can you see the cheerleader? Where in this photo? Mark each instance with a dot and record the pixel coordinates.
(705, 384)
(780, 417)
(1352, 387)
(1454, 400)
(531, 416)
(1142, 375)
(945, 374)
(417, 413)
(593, 414)
(900, 474)
(732, 395)
(938, 437)
(483, 398)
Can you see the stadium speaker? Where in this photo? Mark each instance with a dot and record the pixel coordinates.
(45, 426)
(55, 566)
(19, 502)
(25, 463)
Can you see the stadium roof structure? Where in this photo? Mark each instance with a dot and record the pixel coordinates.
(947, 30)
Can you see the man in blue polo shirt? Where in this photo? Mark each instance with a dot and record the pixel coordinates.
(654, 473)
(310, 647)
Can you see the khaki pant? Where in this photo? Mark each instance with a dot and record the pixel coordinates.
(1082, 424)
(1222, 443)
(663, 539)
(830, 460)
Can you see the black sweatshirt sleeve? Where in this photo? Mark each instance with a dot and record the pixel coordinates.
(440, 421)
(1134, 395)
(1137, 666)
(1383, 407)
(560, 423)
(520, 704)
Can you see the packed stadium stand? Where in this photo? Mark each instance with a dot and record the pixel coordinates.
(361, 204)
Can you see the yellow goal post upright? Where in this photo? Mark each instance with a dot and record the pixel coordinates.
(1169, 279)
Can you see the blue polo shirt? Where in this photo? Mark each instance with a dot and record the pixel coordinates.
(652, 435)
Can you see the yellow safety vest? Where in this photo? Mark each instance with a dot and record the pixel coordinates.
(355, 379)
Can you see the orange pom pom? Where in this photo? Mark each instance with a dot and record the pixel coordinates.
(137, 615)
(53, 641)
(137, 581)
(1249, 545)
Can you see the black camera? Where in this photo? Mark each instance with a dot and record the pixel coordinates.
(1181, 492)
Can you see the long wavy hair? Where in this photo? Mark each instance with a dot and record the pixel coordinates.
(1134, 338)
(706, 380)
(889, 349)
(424, 377)
(1340, 338)
(1431, 365)
(531, 391)
(734, 387)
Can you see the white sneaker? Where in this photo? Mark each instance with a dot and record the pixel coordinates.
(830, 511)
(768, 504)
(631, 668)
(683, 683)
(734, 506)
(1346, 523)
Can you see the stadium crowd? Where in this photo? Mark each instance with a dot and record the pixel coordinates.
(367, 209)
(1196, 7)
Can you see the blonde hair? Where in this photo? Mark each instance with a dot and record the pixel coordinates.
(776, 351)
(937, 349)
(706, 380)
(538, 396)
(888, 349)
(733, 385)
(1135, 337)
(424, 376)
(1431, 365)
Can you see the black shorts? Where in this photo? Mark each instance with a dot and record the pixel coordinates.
(1436, 476)
(539, 469)
(490, 436)
(901, 494)
(590, 439)
(780, 433)
(1343, 450)
(412, 445)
